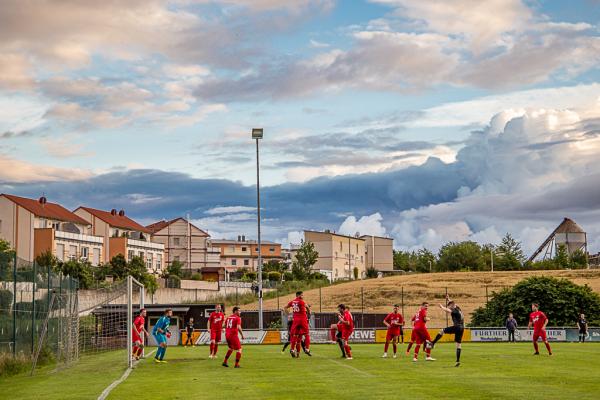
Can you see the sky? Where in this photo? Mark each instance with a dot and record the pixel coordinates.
(427, 121)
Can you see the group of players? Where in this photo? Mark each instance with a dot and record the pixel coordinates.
(340, 332)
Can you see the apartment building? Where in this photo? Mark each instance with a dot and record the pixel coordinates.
(242, 253)
(338, 254)
(188, 244)
(33, 227)
(379, 252)
(122, 235)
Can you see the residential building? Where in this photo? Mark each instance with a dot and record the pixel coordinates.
(338, 254)
(242, 253)
(379, 252)
(122, 235)
(188, 244)
(33, 227)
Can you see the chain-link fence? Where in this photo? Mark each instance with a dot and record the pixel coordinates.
(38, 311)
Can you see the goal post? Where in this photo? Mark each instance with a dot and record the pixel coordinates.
(134, 287)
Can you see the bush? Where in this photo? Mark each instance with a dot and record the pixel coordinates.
(249, 276)
(355, 272)
(196, 276)
(10, 366)
(372, 272)
(288, 276)
(6, 298)
(274, 276)
(560, 299)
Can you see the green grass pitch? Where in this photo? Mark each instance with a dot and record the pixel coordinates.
(488, 371)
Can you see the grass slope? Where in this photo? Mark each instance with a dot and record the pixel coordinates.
(467, 288)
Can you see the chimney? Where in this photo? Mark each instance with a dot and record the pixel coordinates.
(113, 212)
(42, 200)
(243, 238)
(122, 213)
(239, 238)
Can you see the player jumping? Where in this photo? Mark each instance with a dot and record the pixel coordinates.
(233, 326)
(290, 323)
(215, 327)
(394, 322)
(457, 328)
(161, 334)
(299, 324)
(539, 321)
(138, 330)
(421, 333)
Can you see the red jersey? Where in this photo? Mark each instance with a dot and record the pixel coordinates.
(298, 307)
(139, 322)
(231, 325)
(538, 319)
(420, 319)
(395, 320)
(216, 320)
(349, 327)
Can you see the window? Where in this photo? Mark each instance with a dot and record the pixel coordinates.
(256, 249)
(84, 252)
(357, 247)
(72, 252)
(246, 262)
(176, 241)
(272, 249)
(340, 245)
(96, 256)
(60, 252)
(55, 226)
(244, 248)
(149, 262)
(234, 262)
(159, 261)
(130, 255)
(361, 259)
(232, 248)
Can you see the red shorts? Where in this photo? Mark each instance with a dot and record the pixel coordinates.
(413, 336)
(421, 335)
(300, 328)
(135, 338)
(234, 342)
(392, 334)
(346, 333)
(215, 335)
(540, 334)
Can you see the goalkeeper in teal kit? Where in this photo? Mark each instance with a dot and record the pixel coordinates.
(161, 334)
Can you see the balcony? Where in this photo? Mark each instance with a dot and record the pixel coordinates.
(145, 245)
(78, 237)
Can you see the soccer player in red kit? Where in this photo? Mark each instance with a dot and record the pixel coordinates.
(233, 326)
(539, 321)
(347, 327)
(421, 333)
(299, 325)
(394, 322)
(215, 327)
(137, 334)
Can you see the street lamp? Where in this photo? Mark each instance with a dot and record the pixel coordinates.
(257, 133)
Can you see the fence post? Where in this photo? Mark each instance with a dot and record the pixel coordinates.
(446, 305)
(33, 279)
(320, 300)
(486, 295)
(362, 306)
(15, 305)
(236, 295)
(402, 298)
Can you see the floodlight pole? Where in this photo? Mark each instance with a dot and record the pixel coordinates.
(258, 134)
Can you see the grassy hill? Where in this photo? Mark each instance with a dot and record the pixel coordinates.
(467, 288)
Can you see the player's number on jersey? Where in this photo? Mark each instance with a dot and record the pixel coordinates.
(296, 307)
(230, 323)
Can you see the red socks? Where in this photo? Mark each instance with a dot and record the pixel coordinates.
(212, 348)
(535, 346)
(548, 347)
(385, 348)
(238, 355)
(228, 355)
(215, 348)
(417, 348)
(332, 332)
(348, 351)
(409, 346)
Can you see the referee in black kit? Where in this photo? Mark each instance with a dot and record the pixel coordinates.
(457, 328)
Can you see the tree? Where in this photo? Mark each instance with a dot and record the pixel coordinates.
(578, 259)
(80, 270)
(463, 256)
(7, 254)
(47, 259)
(118, 266)
(561, 258)
(425, 261)
(306, 257)
(355, 273)
(401, 260)
(173, 270)
(510, 256)
(275, 266)
(560, 299)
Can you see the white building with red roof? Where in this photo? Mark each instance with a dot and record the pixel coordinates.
(33, 227)
(122, 235)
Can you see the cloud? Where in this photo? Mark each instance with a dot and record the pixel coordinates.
(366, 225)
(229, 210)
(17, 171)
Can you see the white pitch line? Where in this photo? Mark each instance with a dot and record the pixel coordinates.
(116, 383)
(349, 366)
